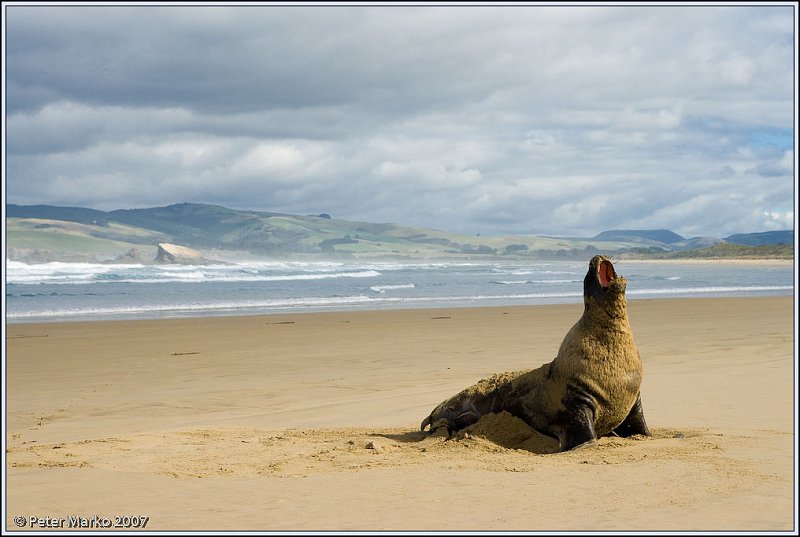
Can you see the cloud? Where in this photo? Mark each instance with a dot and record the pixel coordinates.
(784, 220)
(516, 119)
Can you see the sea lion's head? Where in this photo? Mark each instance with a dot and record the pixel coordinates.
(603, 288)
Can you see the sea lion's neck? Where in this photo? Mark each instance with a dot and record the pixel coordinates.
(610, 311)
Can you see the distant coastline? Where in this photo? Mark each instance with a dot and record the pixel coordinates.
(40, 234)
(711, 261)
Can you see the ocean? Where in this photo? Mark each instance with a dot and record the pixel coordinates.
(84, 291)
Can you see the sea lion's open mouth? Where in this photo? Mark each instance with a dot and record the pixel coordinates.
(605, 273)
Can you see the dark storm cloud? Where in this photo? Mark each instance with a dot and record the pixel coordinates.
(230, 60)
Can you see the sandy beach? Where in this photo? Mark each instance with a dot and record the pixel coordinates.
(311, 422)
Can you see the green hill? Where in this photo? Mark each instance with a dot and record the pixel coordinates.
(38, 239)
(41, 232)
(736, 251)
(227, 231)
(50, 212)
(652, 235)
(759, 239)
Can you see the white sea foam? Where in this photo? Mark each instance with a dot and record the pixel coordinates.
(266, 305)
(84, 273)
(524, 282)
(707, 290)
(538, 272)
(17, 272)
(249, 277)
(384, 288)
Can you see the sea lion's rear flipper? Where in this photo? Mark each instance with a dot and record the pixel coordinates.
(634, 423)
(453, 416)
(489, 395)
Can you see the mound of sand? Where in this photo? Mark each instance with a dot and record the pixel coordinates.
(510, 432)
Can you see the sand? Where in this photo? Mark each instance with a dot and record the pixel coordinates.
(311, 422)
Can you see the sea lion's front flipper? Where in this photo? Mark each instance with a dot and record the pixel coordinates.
(576, 428)
(634, 423)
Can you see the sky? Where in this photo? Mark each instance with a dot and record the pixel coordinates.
(498, 119)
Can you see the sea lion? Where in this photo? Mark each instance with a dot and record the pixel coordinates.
(589, 390)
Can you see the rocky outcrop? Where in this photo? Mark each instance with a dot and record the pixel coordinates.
(36, 256)
(134, 255)
(172, 254)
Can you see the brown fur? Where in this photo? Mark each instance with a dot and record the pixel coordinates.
(590, 389)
